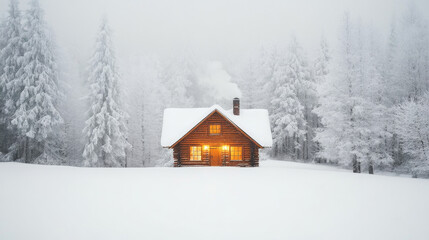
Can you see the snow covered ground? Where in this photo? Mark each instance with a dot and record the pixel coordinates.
(279, 200)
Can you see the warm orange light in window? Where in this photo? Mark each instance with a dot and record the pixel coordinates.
(206, 147)
(225, 147)
(215, 129)
(195, 153)
(236, 153)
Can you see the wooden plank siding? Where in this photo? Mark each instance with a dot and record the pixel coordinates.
(229, 135)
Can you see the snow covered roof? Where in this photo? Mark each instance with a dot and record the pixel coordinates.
(179, 121)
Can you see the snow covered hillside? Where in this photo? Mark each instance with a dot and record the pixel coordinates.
(278, 200)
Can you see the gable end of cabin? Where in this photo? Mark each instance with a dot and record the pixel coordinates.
(216, 142)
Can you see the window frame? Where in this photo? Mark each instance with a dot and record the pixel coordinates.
(191, 153)
(215, 134)
(230, 153)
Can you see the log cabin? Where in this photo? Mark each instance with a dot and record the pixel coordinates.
(216, 137)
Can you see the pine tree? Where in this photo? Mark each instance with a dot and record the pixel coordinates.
(300, 75)
(353, 104)
(341, 109)
(3, 41)
(414, 56)
(394, 91)
(406, 73)
(10, 57)
(321, 71)
(36, 117)
(105, 130)
(3, 127)
(321, 65)
(377, 114)
(286, 111)
(3, 44)
(413, 131)
(394, 87)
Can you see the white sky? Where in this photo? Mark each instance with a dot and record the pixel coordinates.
(212, 28)
(222, 33)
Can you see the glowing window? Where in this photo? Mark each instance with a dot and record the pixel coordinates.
(195, 153)
(236, 153)
(214, 129)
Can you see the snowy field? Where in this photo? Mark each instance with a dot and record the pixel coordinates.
(279, 200)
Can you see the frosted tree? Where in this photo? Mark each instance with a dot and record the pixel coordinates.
(321, 64)
(286, 111)
(105, 129)
(3, 40)
(341, 109)
(320, 72)
(414, 55)
(352, 103)
(413, 131)
(375, 90)
(394, 87)
(36, 117)
(406, 74)
(3, 127)
(394, 91)
(11, 43)
(299, 74)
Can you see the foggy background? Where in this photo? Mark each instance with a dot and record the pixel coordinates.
(221, 30)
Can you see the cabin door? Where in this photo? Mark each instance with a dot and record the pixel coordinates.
(215, 159)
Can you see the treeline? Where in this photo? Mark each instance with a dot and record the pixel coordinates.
(362, 103)
(33, 99)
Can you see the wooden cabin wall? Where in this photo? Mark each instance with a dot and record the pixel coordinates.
(229, 136)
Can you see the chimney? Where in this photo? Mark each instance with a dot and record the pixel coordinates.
(236, 106)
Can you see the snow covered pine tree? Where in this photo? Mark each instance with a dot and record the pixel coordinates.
(105, 128)
(33, 94)
(341, 107)
(286, 111)
(10, 55)
(413, 131)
